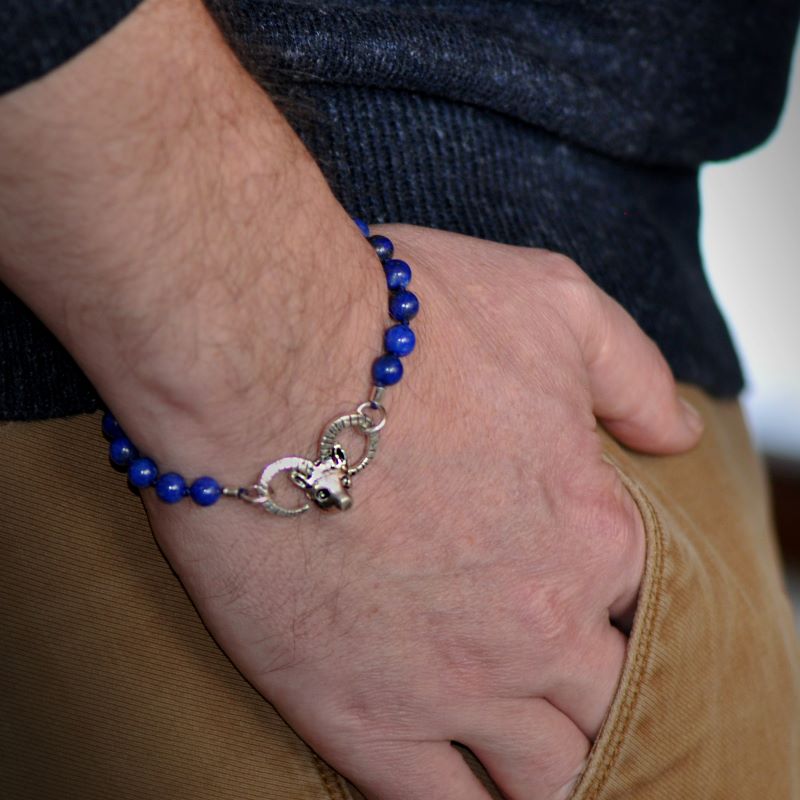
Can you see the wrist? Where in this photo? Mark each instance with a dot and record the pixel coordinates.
(181, 242)
(259, 378)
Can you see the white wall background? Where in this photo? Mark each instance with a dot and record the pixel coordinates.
(751, 240)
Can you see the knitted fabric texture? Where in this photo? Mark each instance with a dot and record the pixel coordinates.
(576, 126)
(37, 36)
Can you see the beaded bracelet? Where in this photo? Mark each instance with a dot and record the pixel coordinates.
(326, 480)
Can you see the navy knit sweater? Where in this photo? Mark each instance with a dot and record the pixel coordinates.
(577, 125)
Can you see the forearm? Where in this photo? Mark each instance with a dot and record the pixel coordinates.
(164, 221)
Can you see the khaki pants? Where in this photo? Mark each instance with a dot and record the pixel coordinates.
(112, 688)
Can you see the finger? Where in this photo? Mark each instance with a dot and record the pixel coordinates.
(633, 389)
(529, 748)
(586, 687)
(419, 771)
(618, 547)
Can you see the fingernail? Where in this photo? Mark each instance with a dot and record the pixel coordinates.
(692, 416)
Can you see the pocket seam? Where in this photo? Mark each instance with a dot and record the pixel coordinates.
(646, 617)
(331, 780)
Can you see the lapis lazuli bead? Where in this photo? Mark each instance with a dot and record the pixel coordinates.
(171, 487)
(362, 226)
(398, 274)
(142, 472)
(205, 491)
(403, 306)
(386, 370)
(121, 451)
(399, 340)
(383, 246)
(111, 428)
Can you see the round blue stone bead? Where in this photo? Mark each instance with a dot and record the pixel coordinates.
(386, 370)
(142, 472)
(171, 487)
(383, 247)
(362, 226)
(403, 306)
(121, 451)
(399, 340)
(111, 428)
(205, 491)
(398, 274)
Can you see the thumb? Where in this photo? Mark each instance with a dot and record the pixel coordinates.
(633, 390)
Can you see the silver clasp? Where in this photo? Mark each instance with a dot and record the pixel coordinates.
(325, 481)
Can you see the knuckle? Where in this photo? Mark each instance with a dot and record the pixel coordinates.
(570, 288)
(366, 713)
(571, 280)
(466, 660)
(547, 612)
(613, 525)
(560, 267)
(623, 538)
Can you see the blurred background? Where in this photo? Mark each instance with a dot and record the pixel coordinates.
(751, 241)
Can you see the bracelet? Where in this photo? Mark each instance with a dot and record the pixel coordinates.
(327, 479)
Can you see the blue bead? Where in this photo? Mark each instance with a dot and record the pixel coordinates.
(398, 274)
(142, 472)
(121, 451)
(386, 370)
(399, 340)
(362, 226)
(205, 491)
(383, 247)
(111, 428)
(403, 306)
(171, 487)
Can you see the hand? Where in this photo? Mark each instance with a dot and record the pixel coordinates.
(476, 590)
(195, 264)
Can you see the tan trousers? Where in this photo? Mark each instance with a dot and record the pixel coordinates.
(112, 688)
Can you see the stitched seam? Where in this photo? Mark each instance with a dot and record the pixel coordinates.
(330, 780)
(640, 659)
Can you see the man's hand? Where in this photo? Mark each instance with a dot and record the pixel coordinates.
(471, 592)
(164, 221)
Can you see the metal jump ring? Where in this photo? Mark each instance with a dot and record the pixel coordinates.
(373, 404)
(252, 494)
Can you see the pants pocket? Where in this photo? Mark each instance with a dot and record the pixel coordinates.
(615, 733)
(708, 704)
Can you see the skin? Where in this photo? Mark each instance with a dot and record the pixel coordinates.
(182, 244)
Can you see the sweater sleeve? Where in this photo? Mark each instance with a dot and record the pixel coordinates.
(37, 36)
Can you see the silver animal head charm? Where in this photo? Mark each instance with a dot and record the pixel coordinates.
(327, 480)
